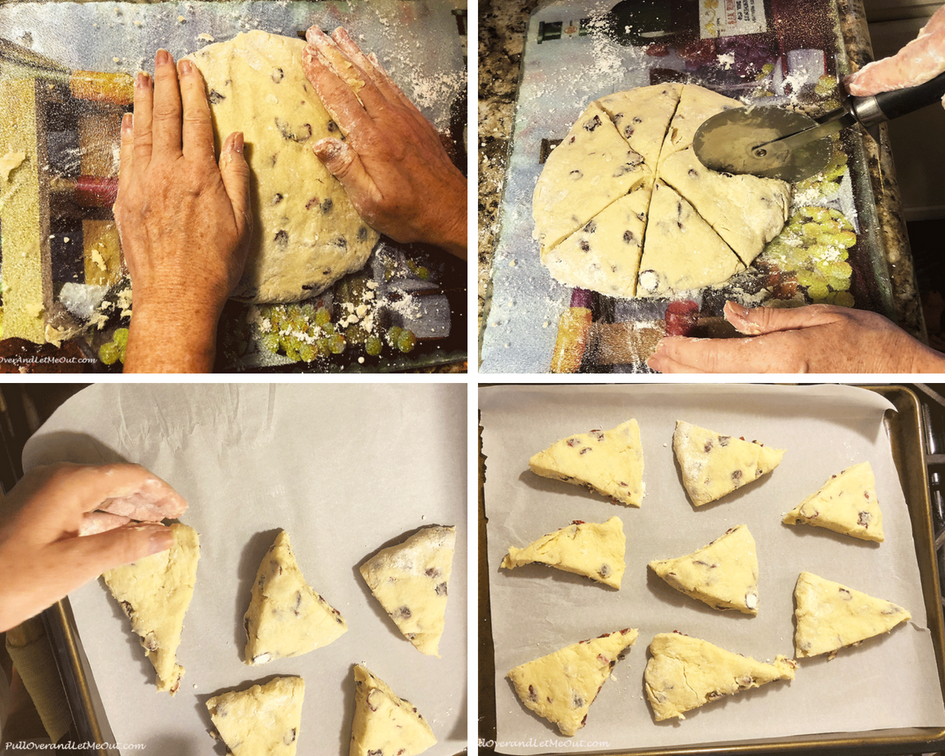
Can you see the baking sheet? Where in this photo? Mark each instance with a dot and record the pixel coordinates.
(536, 610)
(345, 470)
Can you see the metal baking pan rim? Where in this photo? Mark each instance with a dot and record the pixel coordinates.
(913, 475)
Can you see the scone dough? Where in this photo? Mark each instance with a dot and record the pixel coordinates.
(384, 723)
(410, 581)
(562, 685)
(306, 232)
(845, 504)
(154, 593)
(592, 549)
(286, 617)
(263, 720)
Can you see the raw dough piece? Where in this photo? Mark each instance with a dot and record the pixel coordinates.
(605, 254)
(562, 685)
(306, 232)
(696, 106)
(845, 504)
(155, 592)
(723, 574)
(592, 549)
(609, 462)
(681, 251)
(714, 465)
(263, 720)
(591, 168)
(746, 211)
(410, 580)
(384, 723)
(685, 673)
(642, 116)
(285, 616)
(830, 616)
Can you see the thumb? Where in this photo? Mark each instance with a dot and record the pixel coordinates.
(234, 170)
(344, 164)
(761, 320)
(86, 557)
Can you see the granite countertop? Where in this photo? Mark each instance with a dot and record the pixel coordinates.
(502, 26)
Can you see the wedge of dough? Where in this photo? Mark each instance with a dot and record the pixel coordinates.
(684, 673)
(590, 169)
(609, 462)
(410, 581)
(592, 549)
(696, 106)
(562, 685)
(845, 504)
(746, 211)
(713, 465)
(384, 723)
(285, 616)
(263, 720)
(723, 574)
(681, 252)
(604, 255)
(830, 616)
(154, 593)
(642, 116)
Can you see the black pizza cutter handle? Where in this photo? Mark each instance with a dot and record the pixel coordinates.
(874, 109)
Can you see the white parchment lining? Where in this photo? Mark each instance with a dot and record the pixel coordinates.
(886, 682)
(346, 470)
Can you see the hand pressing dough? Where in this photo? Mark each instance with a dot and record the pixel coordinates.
(155, 592)
(306, 232)
(263, 720)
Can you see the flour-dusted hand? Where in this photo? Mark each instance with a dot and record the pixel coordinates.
(918, 62)
(813, 339)
(184, 219)
(43, 554)
(391, 163)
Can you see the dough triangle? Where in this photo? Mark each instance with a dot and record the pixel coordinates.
(594, 550)
(681, 251)
(642, 116)
(830, 616)
(609, 462)
(696, 106)
(285, 616)
(723, 574)
(410, 580)
(590, 169)
(154, 593)
(746, 211)
(263, 719)
(685, 673)
(845, 504)
(383, 722)
(562, 685)
(604, 255)
(714, 465)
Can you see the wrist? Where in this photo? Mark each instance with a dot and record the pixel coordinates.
(450, 233)
(167, 336)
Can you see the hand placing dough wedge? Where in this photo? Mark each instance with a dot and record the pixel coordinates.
(260, 720)
(714, 465)
(609, 462)
(306, 233)
(845, 504)
(685, 673)
(384, 723)
(562, 685)
(830, 616)
(285, 616)
(410, 580)
(154, 593)
(592, 549)
(723, 574)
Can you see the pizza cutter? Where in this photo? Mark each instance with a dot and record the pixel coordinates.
(777, 143)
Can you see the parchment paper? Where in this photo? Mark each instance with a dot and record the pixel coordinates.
(886, 682)
(346, 470)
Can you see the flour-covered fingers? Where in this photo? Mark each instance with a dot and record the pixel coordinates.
(339, 99)
(371, 67)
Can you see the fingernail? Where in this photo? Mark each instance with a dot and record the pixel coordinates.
(142, 80)
(127, 122)
(160, 540)
(317, 36)
(185, 67)
(238, 143)
(163, 57)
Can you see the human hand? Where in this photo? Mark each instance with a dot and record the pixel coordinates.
(813, 339)
(392, 163)
(44, 552)
(918, 62)
(184, 220)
